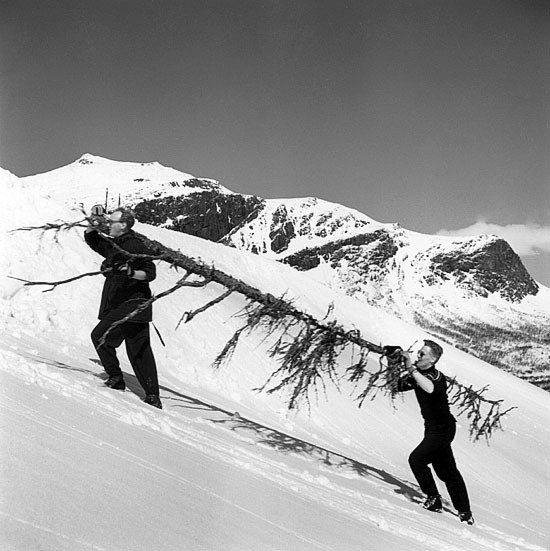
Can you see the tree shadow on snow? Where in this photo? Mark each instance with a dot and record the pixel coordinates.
(287, 444)
(132, 384)
(61, 365)
(283, 443)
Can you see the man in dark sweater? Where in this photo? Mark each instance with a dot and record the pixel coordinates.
(126, 288)
(430, 388)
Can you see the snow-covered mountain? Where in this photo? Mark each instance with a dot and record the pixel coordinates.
(473, 292)
(93, 179)
(85, 467)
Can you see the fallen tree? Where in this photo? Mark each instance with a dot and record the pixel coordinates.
(309, 351)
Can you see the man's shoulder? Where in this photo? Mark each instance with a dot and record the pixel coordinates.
(130, 234)
(129, 239)
(132, 243)
(436, 376)
(439, 380)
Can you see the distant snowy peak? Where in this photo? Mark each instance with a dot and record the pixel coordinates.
(109, 164)
(306, 233)
(285, 226)
(482, 265)
(93, 179)
(89, 159)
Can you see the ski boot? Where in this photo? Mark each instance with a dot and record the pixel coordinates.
(466, 517)
(153, 400)
(433, 503)
(116, 382)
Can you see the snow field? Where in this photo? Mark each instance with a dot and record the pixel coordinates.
(85, 467)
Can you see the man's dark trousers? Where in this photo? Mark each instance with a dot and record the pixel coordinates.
(138, 348)
(436, 449)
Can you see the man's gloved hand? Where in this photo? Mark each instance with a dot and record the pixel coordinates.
(125, 269)
(96, 221)
(396, 357)
(392, 351)
(406, 357)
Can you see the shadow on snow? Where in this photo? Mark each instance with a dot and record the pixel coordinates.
(280, 441)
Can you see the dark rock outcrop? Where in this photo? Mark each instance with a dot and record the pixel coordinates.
(282, 230)
(492, 268)
(381, 248)
(208, 214)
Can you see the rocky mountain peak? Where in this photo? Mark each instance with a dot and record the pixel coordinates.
(489, 266)
(206, 212)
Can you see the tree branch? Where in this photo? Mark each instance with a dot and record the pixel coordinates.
(59, 226)
(188, 316)
(181, 283)
(54, 284)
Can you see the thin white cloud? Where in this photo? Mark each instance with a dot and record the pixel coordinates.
(525, 239)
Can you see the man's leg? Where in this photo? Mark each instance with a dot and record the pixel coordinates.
(446, 469)
(140, 354)
(419, 460)
(107, 350)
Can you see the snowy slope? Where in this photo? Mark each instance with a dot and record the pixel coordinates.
(84, 467)
(86, 181)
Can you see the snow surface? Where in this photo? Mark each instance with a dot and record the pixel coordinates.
(222, 466)
(92, 179)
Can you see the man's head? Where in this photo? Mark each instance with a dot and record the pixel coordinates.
(120, 221)
(428, 355)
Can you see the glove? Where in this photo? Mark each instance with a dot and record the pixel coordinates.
(394, 355)
(96, 221)
(125, 269)
(394, 351)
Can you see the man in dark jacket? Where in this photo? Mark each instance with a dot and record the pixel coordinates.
(126, 287)
(430, 387)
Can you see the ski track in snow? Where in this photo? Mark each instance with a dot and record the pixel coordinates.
(320, 483)
(78, 435)
(47, 530)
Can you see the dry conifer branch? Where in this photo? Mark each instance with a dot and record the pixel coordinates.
(58, 226)
(306, 361)
(190, 315)
(382, 380)
(469, 402)
(229, 348)
(181, 283)
(54, 284)
(484, 415)
(306, 348)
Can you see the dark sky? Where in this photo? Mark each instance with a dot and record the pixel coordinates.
(434, 114)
